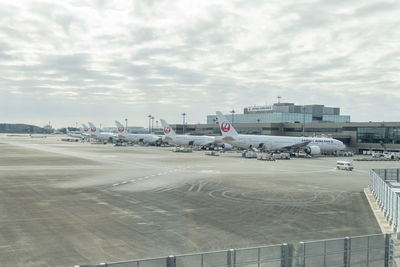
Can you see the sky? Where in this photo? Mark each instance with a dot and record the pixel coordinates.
(74, 61)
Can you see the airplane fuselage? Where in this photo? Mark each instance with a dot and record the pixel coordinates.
(103, 136)
(190, 140)
(282, 142)
(145, 138)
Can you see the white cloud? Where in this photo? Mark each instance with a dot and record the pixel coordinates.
(68, 61)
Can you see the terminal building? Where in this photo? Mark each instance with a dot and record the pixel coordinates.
(357, 136)
(284, 119)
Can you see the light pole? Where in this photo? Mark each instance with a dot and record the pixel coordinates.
(76, 125)
(183, 126)
(157, 124)
(149, 122)
(126, 125)
(152, 123)
(233, 112)
(304, 120)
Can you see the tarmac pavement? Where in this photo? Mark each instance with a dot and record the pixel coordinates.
(78, 203)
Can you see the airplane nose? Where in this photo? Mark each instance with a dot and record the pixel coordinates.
(342, 146)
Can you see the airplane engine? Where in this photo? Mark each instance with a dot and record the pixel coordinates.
(312, 150)
(227, 146)
(191, 143)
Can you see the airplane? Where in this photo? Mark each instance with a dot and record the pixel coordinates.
(84, 132)
(136, 138)
(37, 136)
(310, 145)
(76, 134)
(104, 136)
(186, 140)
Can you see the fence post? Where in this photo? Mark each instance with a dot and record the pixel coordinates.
(396, 225)
(389, 250)
(347, 250)
(385, 174)
(298, 255)
(286, 255)
(171, 261)
(231, 258)
(397, 175)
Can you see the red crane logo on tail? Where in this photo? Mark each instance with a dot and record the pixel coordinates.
(225, 127)
(93, 129)
(120, 129)
(86, 129)
(167, 130)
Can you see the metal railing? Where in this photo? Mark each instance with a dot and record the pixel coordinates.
(385, 187)
(370, 250)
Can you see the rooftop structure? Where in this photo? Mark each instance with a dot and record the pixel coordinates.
(285, 112)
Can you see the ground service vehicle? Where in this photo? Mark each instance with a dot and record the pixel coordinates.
(344, 165)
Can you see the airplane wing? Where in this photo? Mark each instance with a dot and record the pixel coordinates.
(167, 138)
(298, 145)
(227, 138)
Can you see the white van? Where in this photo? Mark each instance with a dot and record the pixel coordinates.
(344, 165)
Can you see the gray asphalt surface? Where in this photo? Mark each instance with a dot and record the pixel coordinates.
(77, 203)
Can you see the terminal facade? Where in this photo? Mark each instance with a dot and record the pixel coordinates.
(357, 136)
(288, 119)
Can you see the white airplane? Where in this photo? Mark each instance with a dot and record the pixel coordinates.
(84, 132)
(310, 145)
(186, 140)
(136, 138)
(104, 136)
(76, 134)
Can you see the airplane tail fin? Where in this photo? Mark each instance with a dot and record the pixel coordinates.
(120, 127)
(85, 128)
(93, 128)
(225, 126)
(167, 129)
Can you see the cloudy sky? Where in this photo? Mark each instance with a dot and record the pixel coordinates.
(75, 61)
